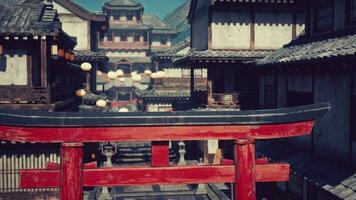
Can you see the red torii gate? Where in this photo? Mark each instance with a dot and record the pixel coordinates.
(74, 129)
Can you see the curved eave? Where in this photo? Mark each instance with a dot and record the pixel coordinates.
(80, 11)
(28, 118)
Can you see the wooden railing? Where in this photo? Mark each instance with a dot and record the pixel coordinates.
(225, 99)
(26, 94)
(124, 45)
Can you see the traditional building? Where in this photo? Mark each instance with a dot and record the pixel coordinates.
(226, 38)
(35, 72)
(86, 27)
(172, 92)
(227, 35)
(133, 36)
(318, 67)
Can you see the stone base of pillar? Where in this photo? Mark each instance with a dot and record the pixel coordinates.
(105, 195)
(201, 189)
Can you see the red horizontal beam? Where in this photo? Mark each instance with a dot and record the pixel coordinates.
(124, 176)
(259, 161)
(159, 133)
(90, 165)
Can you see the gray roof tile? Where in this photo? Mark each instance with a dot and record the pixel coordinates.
(29, 19)
(323, 49)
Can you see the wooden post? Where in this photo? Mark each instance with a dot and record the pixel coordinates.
(160, 154)
(71, 185)
(44, 63)
(191, 82)
(245, 183)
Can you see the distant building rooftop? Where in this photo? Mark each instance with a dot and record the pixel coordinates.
(122, 5)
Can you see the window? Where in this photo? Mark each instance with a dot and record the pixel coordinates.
(126, 68)
(123, 37)
(123, 96)
(323, 17)
(129, 16)
(164, 40)
(116, 16)
(271, 91)
(137, 37)
(300, 90)
(109, 35)
(353, 107)
(138, 16)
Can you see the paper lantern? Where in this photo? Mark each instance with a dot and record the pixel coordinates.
(72, 57)
(148, 72)
(101, 103)
(61, 53)
(119, 72)
(67, 55)
(121, 79)
(80, 93)
(85, 66)
(133, 73)
(54, 50)
(154, 75)
(112, 75)
(136, 77)
(160, 74)
(124, 110)
(99, 73)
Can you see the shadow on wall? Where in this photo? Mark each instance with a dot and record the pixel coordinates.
(2, 63)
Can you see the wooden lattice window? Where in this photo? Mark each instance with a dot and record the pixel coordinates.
(323, 17)
(137, 37)
(164, 40)
(123, 36)
(129, 16)
(271, 91)
(116, 16)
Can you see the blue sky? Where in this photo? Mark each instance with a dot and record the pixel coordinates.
(158, 7)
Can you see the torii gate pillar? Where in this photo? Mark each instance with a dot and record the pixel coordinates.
(71, 183)
(244, 156)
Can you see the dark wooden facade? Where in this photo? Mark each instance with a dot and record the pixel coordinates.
(316, 67)
(35, 59)
(228, 36)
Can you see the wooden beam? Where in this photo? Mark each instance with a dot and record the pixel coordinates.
(156, 133)
(125, 176)
(252, 31)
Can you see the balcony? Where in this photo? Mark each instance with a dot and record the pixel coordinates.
(38, 95)
(123, 45)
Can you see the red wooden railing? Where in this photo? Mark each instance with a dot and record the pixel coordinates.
(72, 174)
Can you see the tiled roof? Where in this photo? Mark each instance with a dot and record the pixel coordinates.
(122, 4)
(336, 178)
(337, 47)
(158, 26)
(130, 59)
(29, 19)
(130, 26)
(223, 55)
(80, 11)
(90, 55)
(174, 51)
